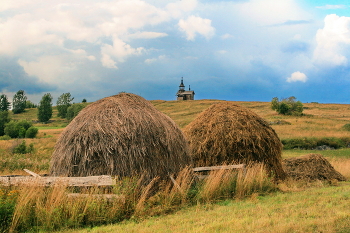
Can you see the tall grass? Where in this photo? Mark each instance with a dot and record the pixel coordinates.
(49, 208)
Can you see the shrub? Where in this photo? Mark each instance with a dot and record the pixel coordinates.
(22, 148)
(12, 129)
(5, 137)
(312, 143)
(288, 106)
(25, 124)
(7, 207)
(346, 127)
(17, 129)
(21, 132)
(31, 132)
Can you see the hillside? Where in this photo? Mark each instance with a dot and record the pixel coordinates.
(320, 120)
(260, 211)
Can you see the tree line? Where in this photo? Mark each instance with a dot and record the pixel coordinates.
(66, 109)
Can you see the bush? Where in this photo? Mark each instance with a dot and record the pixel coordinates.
(25, 124)
(31, 132)
(288, 106)
(23, 148)
(5, 137)
(346, 127)
(18, 129)
(312, 143)
(12, 129)
(7, 207)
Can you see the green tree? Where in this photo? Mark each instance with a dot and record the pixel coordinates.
(63, 103)
(4, 103)
(288, 106)
(83, 101)
(45, 108)
(4, 119)
(19, 102)
(30, 104)
(275, 103)
(74, 110)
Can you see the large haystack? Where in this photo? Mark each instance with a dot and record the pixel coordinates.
(228, 133)
(121, 135)
(311, 167)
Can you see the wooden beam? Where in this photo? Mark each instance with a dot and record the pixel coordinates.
(48, 181)
(31, 173)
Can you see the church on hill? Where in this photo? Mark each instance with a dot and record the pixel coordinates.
(182, 94)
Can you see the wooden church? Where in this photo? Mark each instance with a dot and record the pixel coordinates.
(182, 94)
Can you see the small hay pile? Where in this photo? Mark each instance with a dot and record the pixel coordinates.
(122, 135)
(226, 133)
(311, 167)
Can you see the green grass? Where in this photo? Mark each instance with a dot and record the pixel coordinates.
(340, 153)
(318, 209)
(298, 209)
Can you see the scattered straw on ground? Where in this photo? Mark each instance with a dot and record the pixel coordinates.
(311, 167)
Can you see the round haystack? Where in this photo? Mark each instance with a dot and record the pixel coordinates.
(311, 167)
(226, 133)
(122, 135)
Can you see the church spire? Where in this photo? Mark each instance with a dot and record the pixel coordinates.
(182, 86)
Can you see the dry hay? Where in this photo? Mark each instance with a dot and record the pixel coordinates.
(122, 135)
(228, 133)
(311, 167)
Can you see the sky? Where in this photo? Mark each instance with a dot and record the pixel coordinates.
(240, 50)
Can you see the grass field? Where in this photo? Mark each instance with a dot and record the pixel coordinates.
(296, 207)
(317, 209)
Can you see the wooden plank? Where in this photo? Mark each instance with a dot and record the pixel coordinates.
(212, 168)
(31, 173)
(176, 184)
(48, 181)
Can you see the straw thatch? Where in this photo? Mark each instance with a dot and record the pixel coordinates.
(121, 135)
(311, 167)
(228, 133)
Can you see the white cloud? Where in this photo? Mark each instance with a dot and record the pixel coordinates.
(297, 77)
(147, 35)
(331, 7)
(193, 25)
(46, 68)
(34, 31)
(153, 60)
(108, 62)
(119, 51)
(222, 51)
(333, 41)
(226, 36)
(270, 12)
(177, 8)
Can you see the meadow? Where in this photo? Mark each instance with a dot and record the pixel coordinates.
(233, 206)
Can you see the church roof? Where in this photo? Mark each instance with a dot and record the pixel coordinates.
(186, 93)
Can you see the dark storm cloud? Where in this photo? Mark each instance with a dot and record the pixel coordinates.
(14, 78)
